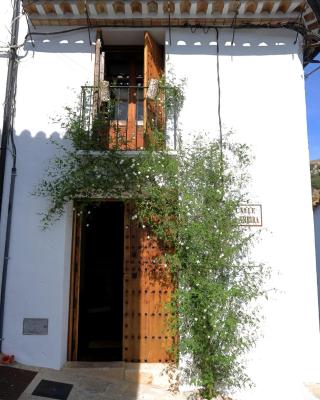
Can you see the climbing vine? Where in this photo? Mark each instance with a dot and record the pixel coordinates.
(189, 201)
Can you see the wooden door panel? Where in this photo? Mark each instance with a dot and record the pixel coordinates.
(74, 289)
(146, 333)
(153, 69)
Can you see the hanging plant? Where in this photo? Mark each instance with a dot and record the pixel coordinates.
(189, 201)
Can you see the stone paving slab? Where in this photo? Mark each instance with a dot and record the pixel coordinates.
(94, 384)
(91, 385)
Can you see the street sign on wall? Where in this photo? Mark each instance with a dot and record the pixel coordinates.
(250, 214)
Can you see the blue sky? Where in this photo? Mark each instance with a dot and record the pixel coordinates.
(313, 110)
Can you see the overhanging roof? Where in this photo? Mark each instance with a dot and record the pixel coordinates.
(302, 15)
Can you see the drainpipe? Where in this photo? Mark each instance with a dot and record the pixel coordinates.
(7, 134)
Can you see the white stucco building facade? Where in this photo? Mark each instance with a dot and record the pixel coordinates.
(262, 102)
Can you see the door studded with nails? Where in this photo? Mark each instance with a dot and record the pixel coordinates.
(147, 289)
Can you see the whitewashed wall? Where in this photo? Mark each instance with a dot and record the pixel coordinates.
(49, 78)
(262, 101)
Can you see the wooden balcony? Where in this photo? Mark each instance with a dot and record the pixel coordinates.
(126, 120)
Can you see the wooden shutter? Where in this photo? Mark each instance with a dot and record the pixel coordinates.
(153, 69)
(99, 66)
(147, 290)
(74, 288)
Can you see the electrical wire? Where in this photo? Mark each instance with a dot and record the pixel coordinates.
(233, 24)
(88, 22)
(219, 107)
(219, 87)
(8, 135)
(28, 26)
(299, 20)
(169, 15)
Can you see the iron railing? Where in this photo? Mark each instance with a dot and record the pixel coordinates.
(122, 121)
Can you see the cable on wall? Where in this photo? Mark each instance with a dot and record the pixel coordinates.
(28, 27)
(299, 20)
(219, 88)
(88, 22)
(169, 20)
(8, 135)
(233, 24)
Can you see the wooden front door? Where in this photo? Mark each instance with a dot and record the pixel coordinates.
(146, 290)
(74, 288)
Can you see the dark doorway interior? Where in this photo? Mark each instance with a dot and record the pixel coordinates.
(101, 283)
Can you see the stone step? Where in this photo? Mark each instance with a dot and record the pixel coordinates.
(140, 373)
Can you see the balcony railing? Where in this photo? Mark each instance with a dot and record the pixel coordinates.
(124, 119)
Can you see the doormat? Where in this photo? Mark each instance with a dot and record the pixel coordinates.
(13, 382)
(53, 390)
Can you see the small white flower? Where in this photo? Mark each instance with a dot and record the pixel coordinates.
(134, 217)
(196, 319)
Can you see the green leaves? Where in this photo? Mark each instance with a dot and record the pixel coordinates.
(189, 201)
(194, 213)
